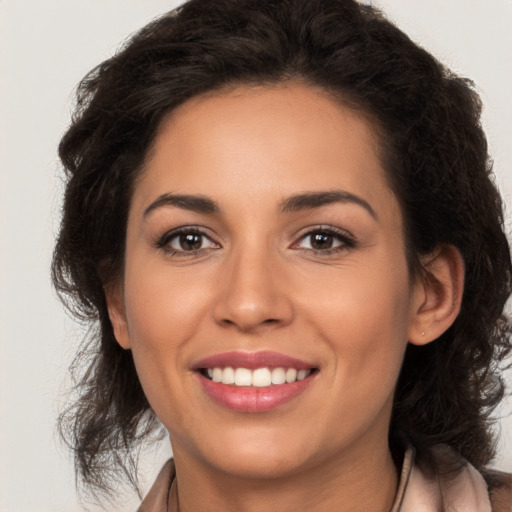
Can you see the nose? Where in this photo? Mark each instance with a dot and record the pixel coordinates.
(253, 295)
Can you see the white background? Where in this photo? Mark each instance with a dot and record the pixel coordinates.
(45, 48)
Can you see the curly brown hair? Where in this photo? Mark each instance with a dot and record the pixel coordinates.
(433, 150)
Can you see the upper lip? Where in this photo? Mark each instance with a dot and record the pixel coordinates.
(252, 360)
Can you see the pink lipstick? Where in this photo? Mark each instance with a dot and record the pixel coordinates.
(254, 381)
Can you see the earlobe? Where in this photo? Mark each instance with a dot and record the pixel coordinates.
(438, 295)
(117, 314)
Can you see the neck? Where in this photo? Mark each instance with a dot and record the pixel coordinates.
(341, 483)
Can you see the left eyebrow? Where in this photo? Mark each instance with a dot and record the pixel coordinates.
(310, 200)
(195, 203)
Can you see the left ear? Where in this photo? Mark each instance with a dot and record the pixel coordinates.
(438, 295)
(117, 313)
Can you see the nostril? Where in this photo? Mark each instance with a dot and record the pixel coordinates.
(248, 309)
(250, 324)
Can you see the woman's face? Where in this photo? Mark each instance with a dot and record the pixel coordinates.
(264, 245)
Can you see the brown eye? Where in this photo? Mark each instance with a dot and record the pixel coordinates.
(321, 241)
(189, 241)
(325, 241)
(186, 241)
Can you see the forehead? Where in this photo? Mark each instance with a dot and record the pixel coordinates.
(256, 141)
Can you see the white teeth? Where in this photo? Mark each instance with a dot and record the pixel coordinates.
(291, 375)
(278, 376)
(228, 376)
(260, 377)
(217, 375)
(243, 377)
(302, 374)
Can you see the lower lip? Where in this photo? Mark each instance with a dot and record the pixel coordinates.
(254, 399)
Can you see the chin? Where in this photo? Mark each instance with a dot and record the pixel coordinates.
(256, 465)
(257, 456)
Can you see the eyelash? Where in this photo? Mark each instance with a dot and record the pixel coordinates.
(164, 241)
(346, 239)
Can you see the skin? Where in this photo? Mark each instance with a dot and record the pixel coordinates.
(257, 284)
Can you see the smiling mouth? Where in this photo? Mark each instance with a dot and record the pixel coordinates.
(257, 377)
(254, 382)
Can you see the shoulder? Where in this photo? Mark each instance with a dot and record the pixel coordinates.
(496, 485)
(501, 491)
(453, 484)
(157, 498)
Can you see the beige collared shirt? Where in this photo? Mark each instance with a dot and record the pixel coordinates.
(417, 491)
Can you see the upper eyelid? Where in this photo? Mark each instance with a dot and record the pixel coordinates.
(168, 235)
(164, 239)
(326, 228)
(348, 239)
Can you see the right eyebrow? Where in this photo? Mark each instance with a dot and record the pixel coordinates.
(311, 200)
(195, 203)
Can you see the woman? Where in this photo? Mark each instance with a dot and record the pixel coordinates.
(281, 217)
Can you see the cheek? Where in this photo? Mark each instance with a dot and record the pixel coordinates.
(162, 306)
(163, 314)
(365, 298)
(365, 331)
(362, 315)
